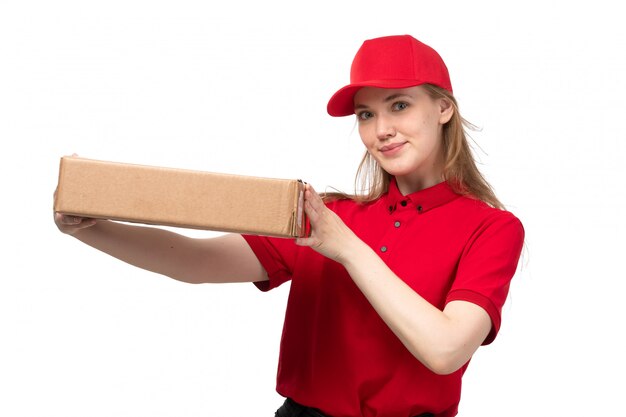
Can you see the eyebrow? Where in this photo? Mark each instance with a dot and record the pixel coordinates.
(386, 99)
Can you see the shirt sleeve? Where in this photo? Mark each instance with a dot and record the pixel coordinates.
(487, 266)
(277, 255)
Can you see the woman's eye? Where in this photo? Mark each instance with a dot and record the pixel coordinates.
(364, 115)
(400, 105)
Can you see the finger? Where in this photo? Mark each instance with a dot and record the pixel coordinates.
(307, 241)
(59, 218)
(88, 221)
(308, 196)
(302, 241)
(313, 204)
(69, 220)
(312, 212)
(314, 197)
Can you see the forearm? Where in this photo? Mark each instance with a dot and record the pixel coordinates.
(434, 337)
(145, 247)
(223, 259)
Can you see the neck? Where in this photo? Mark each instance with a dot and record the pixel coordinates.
(408, 185)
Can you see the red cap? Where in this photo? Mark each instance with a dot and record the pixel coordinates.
(390, 62)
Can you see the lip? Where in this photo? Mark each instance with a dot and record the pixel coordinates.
(391, 148)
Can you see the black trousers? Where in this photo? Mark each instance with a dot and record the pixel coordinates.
(292, 409)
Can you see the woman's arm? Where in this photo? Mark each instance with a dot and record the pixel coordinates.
(226, 258)
(442, 340)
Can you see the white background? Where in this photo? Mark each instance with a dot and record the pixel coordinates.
(241, 87)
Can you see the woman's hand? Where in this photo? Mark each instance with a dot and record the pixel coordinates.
(72, 224)
(329, 234)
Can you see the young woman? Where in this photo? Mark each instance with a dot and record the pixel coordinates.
(396, 287)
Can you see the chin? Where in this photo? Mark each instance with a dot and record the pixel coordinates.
(400, 171)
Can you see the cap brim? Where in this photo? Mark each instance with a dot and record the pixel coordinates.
(342, 102)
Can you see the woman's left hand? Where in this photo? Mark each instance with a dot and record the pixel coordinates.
(329, 234)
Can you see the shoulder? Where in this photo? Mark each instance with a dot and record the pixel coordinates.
(494, 224)
(477, 218)
(480, 210)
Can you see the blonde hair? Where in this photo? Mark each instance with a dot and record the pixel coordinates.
(460, 170)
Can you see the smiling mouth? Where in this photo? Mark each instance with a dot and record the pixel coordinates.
(391, 147)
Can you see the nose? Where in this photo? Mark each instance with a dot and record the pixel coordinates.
(385, 128)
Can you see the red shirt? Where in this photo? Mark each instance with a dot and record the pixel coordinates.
(336, 353)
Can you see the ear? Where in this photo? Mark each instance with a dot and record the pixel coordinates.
(446, 110)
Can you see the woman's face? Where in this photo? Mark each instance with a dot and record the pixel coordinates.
(402, 130)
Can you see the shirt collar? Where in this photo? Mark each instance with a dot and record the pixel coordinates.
(421, 201)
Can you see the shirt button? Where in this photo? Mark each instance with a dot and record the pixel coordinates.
(403, 203)
(397, 224)
(383, 249)
(419, 208)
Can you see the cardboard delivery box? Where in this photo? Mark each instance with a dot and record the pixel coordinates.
(181, 198)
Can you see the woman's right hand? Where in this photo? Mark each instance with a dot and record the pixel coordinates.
(72, 224)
